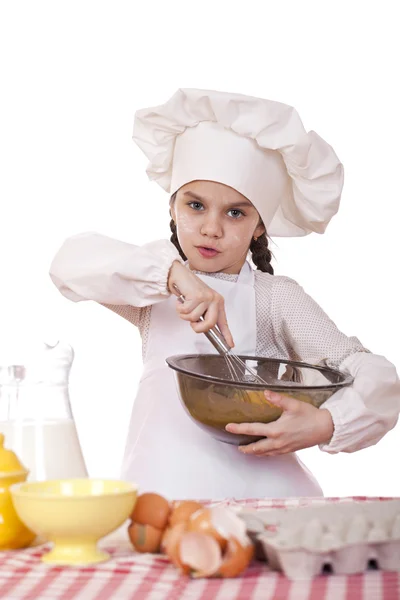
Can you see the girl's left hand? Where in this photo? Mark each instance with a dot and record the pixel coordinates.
(301, 425)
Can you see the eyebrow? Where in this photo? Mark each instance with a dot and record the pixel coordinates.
(201, 199)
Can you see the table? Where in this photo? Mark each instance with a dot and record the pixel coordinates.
(130, 576)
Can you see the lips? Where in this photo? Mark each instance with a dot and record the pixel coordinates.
(207, 252)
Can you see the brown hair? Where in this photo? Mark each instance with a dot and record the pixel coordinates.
(261, 255)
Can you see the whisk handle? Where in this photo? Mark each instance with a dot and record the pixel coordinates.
(217, 339)
(213, 335)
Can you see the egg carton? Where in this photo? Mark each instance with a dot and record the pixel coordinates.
(346, 538)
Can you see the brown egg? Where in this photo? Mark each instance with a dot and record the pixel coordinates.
(182, 511)
(145, 538)
(151, 509)
(236, 559)
(200, 522)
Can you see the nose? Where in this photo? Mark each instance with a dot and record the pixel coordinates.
(211, 227)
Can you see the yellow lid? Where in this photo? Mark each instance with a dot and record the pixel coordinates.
(9, 462)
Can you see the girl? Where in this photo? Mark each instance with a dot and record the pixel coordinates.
(236, 168)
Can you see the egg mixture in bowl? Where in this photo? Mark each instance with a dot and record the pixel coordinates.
(212, 399)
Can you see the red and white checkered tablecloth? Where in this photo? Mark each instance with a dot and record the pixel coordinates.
(131, 576)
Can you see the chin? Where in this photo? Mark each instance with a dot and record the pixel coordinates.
(208, 265)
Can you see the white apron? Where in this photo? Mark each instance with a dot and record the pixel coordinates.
(166, 451)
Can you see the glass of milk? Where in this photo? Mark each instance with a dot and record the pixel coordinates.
(36, 417)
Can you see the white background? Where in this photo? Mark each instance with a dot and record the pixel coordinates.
(72, 75)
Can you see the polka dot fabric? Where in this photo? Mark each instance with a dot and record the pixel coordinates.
(290, 324)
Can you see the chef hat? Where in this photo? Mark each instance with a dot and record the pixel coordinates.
(258, 147)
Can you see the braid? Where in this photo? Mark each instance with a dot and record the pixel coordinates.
(261, 255)
(174, 239)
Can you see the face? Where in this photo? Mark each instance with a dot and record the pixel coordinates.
(215, 225)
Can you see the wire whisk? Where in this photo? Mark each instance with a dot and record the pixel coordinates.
(239, 371)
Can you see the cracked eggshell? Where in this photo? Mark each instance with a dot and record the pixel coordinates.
(212, 543)
(199, 552)
(219, 522)
(182, 511)
(170, 545)
(236, 558)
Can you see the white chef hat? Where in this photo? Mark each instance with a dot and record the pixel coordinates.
(258, 147)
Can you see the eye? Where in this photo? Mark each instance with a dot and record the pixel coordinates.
(195, 205)
(236, 213)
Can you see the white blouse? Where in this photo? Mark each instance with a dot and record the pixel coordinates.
(129, 279)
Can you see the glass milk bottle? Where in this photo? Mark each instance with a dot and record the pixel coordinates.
(36, 417)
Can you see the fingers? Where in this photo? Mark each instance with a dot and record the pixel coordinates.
(272, 445)
(189, 306)
(206, 296)
(195, 314)
(285, 402)
(265, 430)
(212, 309)
(266, 447)
(210, 319)
(222, 323)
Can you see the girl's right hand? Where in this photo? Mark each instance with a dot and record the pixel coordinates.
(200, 300)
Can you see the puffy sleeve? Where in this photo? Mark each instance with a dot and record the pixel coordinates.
(91, 266)
(363, 413)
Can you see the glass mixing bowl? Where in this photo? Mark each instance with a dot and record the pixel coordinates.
(212, 399)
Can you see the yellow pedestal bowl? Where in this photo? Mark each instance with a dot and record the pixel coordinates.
(74, 514)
